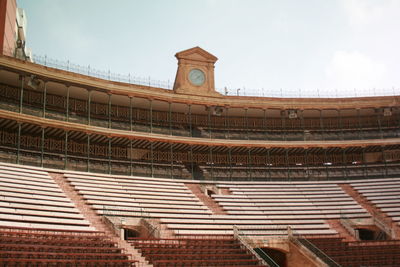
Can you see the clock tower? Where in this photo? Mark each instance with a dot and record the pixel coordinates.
(195, 74)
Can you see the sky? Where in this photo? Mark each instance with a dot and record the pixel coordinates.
(264, 47)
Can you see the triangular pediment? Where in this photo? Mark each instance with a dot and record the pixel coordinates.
(196, 54)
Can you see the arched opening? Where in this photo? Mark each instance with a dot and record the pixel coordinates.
(130, 233)
(278, 256)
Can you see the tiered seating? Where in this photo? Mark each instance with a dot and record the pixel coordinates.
(178, 208)
(31, 198)
(195, 251)
(371, 253)
(43, 247)
(303, 206)
(383, 193)
(137, 197)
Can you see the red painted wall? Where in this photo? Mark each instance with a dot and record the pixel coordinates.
(8, 12)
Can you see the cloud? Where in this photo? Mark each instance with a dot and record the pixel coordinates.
(362, 12)
(349, 70)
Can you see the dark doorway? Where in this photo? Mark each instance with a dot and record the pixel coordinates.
(365, 234)
(277, 256)
(130, 234)
(210, 192)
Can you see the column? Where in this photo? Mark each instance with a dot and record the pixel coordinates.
(130, 114)
(88, 103)
(230, 163)
(109, 110)
(212, 163)
(283, 125)
(360, 134)
(247, 123)
(67, 104)
(42, 148)
(365, 165)
(326, 166)
(170, 117)
(109, 155)
(340, 124)
(190, 124)
(18, 142)
(209, 120)
(131, 155)
(287, 163)
(269, 163)
(152, 159)
(344, 163)
(172, 160)
(227, 123)
(265, 123)
(249, 162)
(385, 170)
(321, 124)
(191, 161)
(378, 117)
(302, 124)
(21, 96)
(66, 150)
(88, 153)
(151, 117)
(306, 164)
(44, 99)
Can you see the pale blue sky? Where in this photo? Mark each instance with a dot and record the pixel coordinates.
(332, 45)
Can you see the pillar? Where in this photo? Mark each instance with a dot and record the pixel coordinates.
(42, 147)
(151, 118)
(89, 103)
(321, 124)
(66, 150)
(131, 155)
(18, 142)
(172, 159)
(21, 96)
(190, 125)
(152, 159)
(88, 153)
(109, 110)
(109, 155)
(67, 104)
(44, 99)
(130, 115)
(170, 117)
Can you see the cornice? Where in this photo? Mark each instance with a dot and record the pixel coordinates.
(71, 126)
(79, 80)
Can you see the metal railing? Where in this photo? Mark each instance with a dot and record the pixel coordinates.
(305, 243)
(152, 228)
(125, 212)
(383, 224)
(243, 91)
(263, 257)
(106, 75)
(347, 223)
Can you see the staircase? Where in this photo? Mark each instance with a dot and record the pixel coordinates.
(343, 233)
(206, 200)
(94, 219)
(371, 208)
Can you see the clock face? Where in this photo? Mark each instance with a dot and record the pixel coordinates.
(197, 77)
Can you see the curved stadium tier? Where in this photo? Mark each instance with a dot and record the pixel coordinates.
(102, 173)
